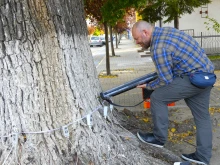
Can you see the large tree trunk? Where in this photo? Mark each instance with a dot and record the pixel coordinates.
(49, 81)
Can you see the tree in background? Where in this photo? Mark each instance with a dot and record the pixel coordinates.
(212, 23)
(119, 28)
(93, 12)
(110, 12)
(124, 25)
(111, 41)
(93, 26)
(116, 13)
(91, 30)
(156, 10)
(98, 31)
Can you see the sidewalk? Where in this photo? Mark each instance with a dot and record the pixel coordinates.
(128, 65)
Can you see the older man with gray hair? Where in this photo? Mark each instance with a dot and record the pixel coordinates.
(175, 55)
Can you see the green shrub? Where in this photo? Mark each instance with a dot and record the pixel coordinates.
(214, 57)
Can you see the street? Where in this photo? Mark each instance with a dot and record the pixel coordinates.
(98, 54)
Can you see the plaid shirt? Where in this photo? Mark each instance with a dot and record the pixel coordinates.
(173, 53)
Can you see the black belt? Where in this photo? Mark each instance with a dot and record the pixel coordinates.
(182, 74)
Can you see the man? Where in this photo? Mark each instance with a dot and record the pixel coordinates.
(175, 55)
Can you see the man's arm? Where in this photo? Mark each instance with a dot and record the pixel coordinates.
(162, 59)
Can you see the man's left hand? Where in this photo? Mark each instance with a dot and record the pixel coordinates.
(141, 86)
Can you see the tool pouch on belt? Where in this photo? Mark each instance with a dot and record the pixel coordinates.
(202, 79)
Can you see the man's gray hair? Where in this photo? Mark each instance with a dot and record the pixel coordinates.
(141, 25)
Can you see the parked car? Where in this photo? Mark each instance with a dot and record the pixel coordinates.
(103, 40)
(96, 41)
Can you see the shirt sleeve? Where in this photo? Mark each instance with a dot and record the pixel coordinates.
(162, 59)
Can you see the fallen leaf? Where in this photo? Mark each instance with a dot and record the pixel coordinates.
(145, 120)
(173, 130)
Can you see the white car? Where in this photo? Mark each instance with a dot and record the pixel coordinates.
(103, 40)
(96, 41)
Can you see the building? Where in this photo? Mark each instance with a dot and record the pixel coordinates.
(196, 19)
(194, 24)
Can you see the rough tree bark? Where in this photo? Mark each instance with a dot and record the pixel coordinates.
(48, 80)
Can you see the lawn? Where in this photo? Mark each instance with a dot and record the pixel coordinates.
(214, 57)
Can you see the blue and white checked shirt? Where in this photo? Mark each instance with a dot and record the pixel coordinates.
(173, 53)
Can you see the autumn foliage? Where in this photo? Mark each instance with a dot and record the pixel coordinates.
(91, 29)
(127, 21)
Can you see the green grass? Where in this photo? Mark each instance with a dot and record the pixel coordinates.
(214, 57)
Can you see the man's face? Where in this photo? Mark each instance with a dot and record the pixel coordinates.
(141, 37)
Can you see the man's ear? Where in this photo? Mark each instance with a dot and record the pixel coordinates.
(146, 32)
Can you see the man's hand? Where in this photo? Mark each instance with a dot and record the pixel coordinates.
(141, 86)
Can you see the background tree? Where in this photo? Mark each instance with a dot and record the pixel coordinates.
(213, 24)
(49, 85)
(119, 28)
(109, 12)
(93, 12)
(118, 11)
(98, 31)
(156, 10)
(111, 41)
(91, 30)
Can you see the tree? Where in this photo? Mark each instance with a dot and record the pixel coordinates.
(111, 41)
(117, 13)
(119, 28)
(49, 85)
(156, 10)
(98, 31)
(108, 12)
(91, 30)
(212, 24)
(93, 12)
